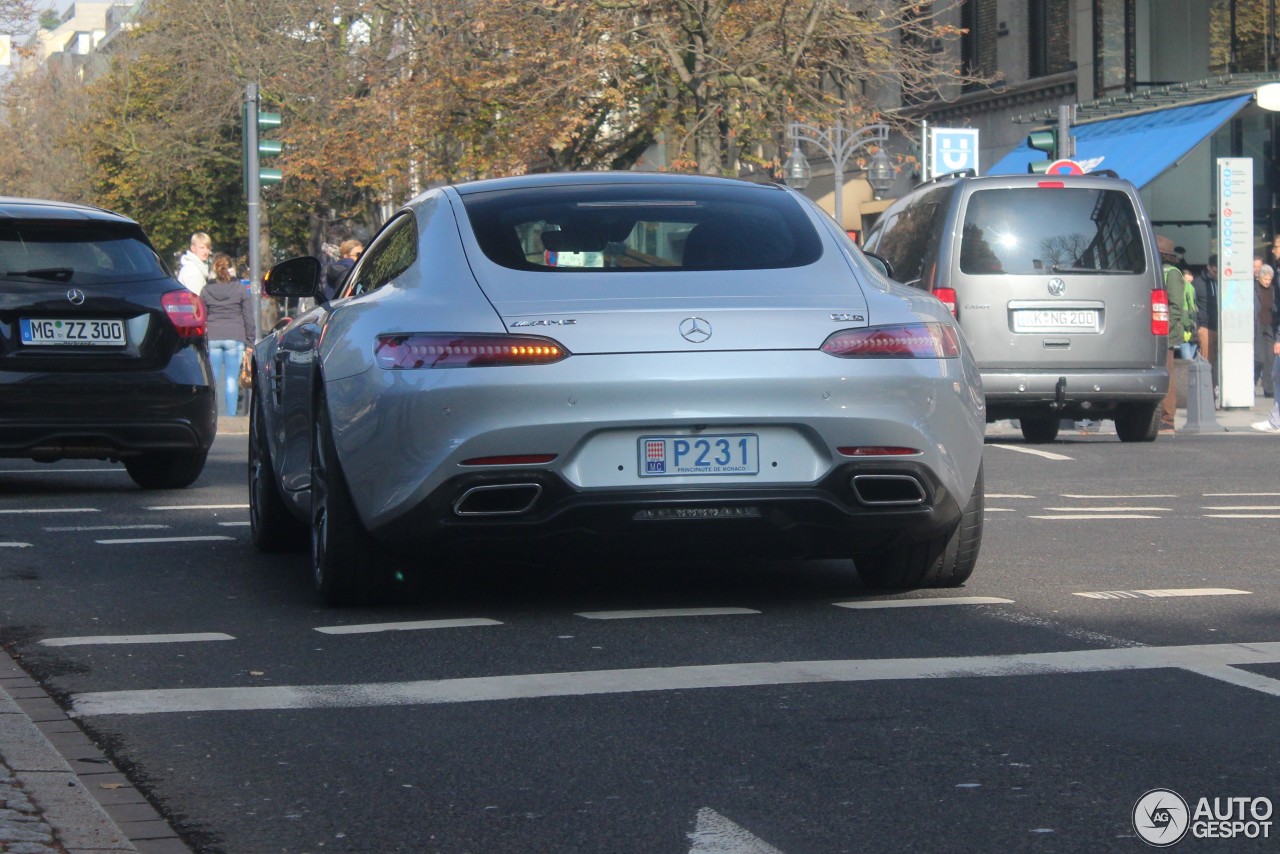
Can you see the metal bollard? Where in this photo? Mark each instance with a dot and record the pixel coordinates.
(1200, 413)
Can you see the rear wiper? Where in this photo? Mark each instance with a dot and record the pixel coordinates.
(1093, 270)
(57, 274)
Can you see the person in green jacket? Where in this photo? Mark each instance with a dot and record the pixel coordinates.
(1175, 287)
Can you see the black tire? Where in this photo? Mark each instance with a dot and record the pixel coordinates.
(273, 528)
(344, 562)
(945, 561)
(166, 469)
(1138, 423)
(1039, 429)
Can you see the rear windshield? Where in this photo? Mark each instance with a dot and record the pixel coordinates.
(1062, 230)
(77, 252)
(642, 228)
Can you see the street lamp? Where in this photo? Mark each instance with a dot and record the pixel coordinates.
(839, 145)
(880, 173)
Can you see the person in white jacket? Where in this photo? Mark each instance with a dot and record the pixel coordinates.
(193, 268)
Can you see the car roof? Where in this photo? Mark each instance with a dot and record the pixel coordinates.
(1022, 180)
(561, 179)
(12, 207)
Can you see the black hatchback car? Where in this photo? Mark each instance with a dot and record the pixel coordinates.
(103, 354)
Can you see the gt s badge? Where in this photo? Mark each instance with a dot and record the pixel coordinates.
(848, 317)
(568, 321)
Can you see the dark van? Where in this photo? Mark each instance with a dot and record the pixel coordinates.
(1057, 285)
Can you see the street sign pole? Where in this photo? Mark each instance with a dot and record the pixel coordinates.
(253, 192)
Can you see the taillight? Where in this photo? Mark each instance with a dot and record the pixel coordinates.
(1159, 312)
(510, 460)
(411, 351)
(186, 312)
(877, 451)
(906, 341)
(948, 298)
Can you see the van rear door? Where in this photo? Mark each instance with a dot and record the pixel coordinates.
(1055, 273)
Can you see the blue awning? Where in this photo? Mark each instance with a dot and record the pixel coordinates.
(1135, 147)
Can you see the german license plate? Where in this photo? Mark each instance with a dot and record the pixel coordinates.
(1055, 320)
(722, 454)
(93, 333)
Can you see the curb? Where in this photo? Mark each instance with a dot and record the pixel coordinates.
(81, 799)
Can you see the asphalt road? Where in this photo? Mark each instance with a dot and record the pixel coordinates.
(1119, 635)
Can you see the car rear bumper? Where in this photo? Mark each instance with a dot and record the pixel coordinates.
(56, 417)
(1011, 393)
(532, 508)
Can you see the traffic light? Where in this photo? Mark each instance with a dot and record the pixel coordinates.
(1046, 141)
(268, 148)
(254, 146)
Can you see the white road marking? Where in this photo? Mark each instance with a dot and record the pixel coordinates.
(15, 545)
(639, 614)
(200, 507)
(104, 527)
(369, 628)
(1035, 452)
(115, 639)
(1164, 594)
(1007, 495)
(1108, 509)
(998, 510)
(1212, 660)
(1241, 494)
(715, 834)
(163, 540)
(1244, 507)
(243, 524)
(54, 510)
(1114, 497)
(1095, 516)
(869, 604)
(1242, 515)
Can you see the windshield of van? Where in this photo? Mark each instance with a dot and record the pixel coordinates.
(1030, 230)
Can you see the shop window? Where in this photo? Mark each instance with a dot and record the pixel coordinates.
(1049, 36)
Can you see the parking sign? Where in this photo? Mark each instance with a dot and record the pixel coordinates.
(953, 150)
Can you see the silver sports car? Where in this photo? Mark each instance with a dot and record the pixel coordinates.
(620, 360)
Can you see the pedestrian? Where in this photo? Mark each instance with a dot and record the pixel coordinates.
(1175, 287)
(230, 326)
(1190, 311)
(1264, 335)
(348, 253)
(1206, 288)
(193, 267)
(1272, 422)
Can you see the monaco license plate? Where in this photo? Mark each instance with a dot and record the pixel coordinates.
(1055, 320)
(92, 333)
(724, 454)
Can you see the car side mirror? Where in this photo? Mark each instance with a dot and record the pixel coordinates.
(880, 263)
(293, 279)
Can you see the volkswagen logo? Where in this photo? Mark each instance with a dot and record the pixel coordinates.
(1057, 287)
(75, 296)
(695, 330)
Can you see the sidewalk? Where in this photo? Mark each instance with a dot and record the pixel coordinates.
(58, 792)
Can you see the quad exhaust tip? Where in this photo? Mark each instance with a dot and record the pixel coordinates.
(499, 499)
(888, 490)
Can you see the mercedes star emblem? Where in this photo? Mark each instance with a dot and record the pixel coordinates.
(695, 330)
(1057, 287)
(75, 296)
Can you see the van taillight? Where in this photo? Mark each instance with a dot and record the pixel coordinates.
(948, 297)
(1159, 312)
(186, 312)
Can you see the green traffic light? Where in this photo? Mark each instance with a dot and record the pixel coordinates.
(270, 147)
(270, 176)
(266, 121)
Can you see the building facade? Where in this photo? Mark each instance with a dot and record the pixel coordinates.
(1160, 88)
